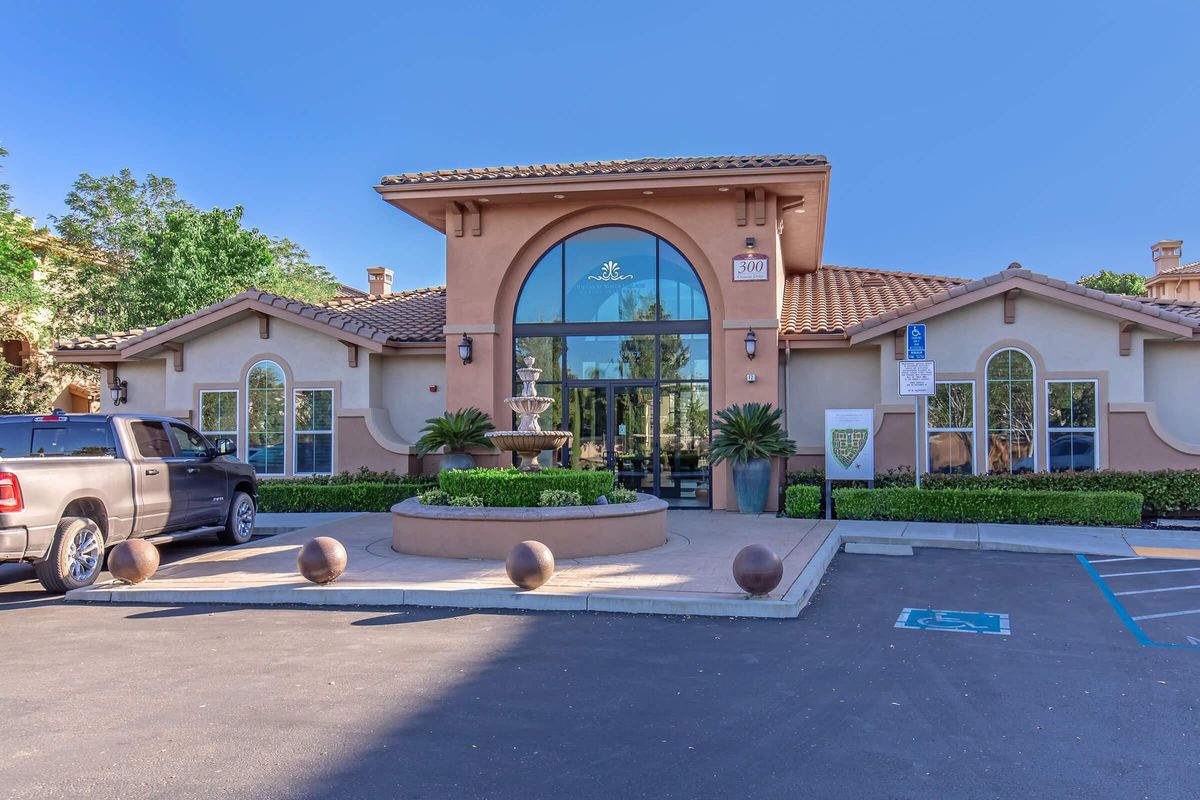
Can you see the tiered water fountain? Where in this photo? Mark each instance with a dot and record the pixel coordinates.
(529, 440)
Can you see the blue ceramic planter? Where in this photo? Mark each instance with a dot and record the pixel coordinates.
(751, 482)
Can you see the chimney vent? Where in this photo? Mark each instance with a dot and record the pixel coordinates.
(1167, 254)
(379, 280)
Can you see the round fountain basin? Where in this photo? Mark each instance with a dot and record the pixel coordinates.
(526, 441)
(569, 532)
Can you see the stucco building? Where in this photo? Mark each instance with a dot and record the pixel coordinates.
(654, 292)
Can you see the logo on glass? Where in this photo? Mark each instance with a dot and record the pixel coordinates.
(609, 271)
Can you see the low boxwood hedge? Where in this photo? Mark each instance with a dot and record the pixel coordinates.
(509, 488)
(1164, 491)
(293, 496)
(802, 501)
(990, 505)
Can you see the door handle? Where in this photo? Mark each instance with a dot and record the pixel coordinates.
(151, 472)
(192, 470)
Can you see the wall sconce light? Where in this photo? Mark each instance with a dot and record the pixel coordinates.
(464, 349)
(119, 390)
(751, 344)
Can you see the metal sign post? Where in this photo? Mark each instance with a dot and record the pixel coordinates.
(916, 379)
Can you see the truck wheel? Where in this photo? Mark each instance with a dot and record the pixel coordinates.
(239, 524)
(75, 558)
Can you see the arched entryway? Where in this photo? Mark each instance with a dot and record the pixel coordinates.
(618, 321)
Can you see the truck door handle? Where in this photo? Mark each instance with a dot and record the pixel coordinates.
(192, 470)
(151, 472)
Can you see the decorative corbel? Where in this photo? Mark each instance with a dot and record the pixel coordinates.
(474, 217)
(1010, 306)
(177, 354)
(1125, 337)
(351, 354)
(739, 207)
(899, 343)
(264, 326)
(454, 217)
(760, 206)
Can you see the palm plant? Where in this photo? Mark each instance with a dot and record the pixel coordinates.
(746, 432)
(456, 431)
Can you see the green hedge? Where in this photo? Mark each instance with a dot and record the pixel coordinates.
(510, 489)
(990, 505)
(1164, 491)
(290, 496)
(802, 501)
(361, 475)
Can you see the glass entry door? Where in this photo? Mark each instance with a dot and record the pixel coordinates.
(616, 426)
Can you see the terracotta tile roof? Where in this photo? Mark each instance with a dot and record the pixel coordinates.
(589, 169)
(415, 315)
(834, 298)
(1183, 269)
(1185, 308)
(345, 290)
(1167, 310)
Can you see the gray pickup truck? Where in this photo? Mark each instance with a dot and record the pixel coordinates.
(72, 485)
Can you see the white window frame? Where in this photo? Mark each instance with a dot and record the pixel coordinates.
(1094, 431)
(332, 424)
(286, 414)
(973, 429)
(984, 422)
(237, 414)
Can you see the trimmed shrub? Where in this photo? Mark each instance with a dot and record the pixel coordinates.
(468, 500)
(362, 475)
(434, 497)
(293, 497)
(619, 494)
(555, 498)
(989, 505)
(1165, 491)
(509, 488)
(802, 501)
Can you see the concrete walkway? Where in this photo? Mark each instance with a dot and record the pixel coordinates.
(690, 574)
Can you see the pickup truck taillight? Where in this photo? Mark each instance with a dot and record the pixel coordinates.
(10, 493)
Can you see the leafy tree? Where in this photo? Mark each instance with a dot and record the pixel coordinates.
(1130, 283)
(20, 295)
(154, 257)
(28, 390)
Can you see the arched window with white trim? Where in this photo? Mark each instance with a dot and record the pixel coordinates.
(1011, 412)
(266, 413)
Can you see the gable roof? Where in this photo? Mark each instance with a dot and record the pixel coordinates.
(412, 316)
(591, 169)
(346, 290)
(1169, 315)
(833, 298)
(1183, 269)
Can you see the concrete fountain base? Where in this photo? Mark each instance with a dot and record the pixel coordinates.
(569, 532)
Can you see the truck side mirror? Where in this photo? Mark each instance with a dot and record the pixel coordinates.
(226, 447)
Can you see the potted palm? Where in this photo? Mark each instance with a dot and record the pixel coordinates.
(456, 431)
(749, 436)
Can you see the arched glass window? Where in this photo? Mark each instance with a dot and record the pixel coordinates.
(618, 322)
(266, 410)
(1011, 412)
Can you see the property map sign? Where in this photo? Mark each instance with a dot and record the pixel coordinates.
(849, 444)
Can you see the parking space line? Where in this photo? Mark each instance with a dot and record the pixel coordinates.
(1122, 558)
(1124, 615)
(1170, 614)
(1152, 591)
(1148, 572)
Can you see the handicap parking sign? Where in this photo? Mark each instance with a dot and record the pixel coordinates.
(915, 349)
(928, 619)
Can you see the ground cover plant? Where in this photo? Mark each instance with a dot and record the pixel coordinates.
(990, 505)
(509, 488)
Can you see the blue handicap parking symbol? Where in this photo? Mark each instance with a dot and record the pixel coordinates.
(915, 350)
(928, 619)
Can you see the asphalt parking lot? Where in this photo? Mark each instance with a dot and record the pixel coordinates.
(234, 702)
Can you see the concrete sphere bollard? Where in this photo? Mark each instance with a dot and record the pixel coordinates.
(322, 560)
(529, 564)
(133, 560)
(757, 569)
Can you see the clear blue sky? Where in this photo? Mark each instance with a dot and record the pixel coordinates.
(963, 135)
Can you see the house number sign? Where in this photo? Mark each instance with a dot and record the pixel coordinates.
(750, 267)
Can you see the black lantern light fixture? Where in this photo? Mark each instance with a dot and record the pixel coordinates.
(464, 349)
(119, 390)
(751, 344)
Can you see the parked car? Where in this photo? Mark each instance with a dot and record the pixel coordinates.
(73, 485)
